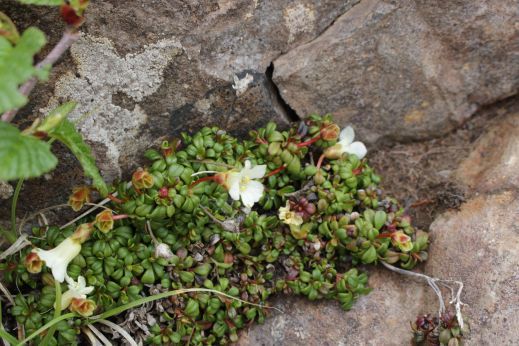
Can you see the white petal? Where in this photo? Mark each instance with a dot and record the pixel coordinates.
(81, 281)
(256, 172)
(66, 298)
(233, 183)
(347, 135)
(59, 271)
(252, 194)
(87, 290)
(357, 148)
(247, 164)
(70, 281)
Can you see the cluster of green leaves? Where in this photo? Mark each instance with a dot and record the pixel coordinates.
(346, 221)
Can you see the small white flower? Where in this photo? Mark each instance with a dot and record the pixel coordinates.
(346, 145)
(58, 258)
(241, 184)
(289, 217)
(76, 290)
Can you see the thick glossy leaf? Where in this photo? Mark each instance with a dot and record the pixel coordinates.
(68, 135)
(23, 156)
(16, 67)
(42, 2)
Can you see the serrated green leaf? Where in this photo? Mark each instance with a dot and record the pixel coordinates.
(42, 2)
(16, 67)
(68, 135)
(23, 156)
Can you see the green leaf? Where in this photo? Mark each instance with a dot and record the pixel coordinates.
(23, 156)
(8, 29)
(57, 314)
(56, 116)
(42, 2)
(68, 135)
(16, 67)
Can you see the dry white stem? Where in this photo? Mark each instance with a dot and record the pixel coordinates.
(6, 293)
(95, 207)
(33, 215)
(228, 225)
(89, 211)
(150, 232)
(91, 337)
(19, 244)
(433, 283)
(100, 335)
(203, 172)
(120, 330)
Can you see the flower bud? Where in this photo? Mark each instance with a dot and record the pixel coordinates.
(83, 232)
(319, 178)
(84, 307)
(104, 221)
(334, 152)
(80, 196)
(330, 132)
(141, 179)
(33, 263)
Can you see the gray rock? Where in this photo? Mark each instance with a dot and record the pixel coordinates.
(405, 70)
(479, 245)
(494, 162)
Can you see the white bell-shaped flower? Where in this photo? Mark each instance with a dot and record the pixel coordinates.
(58, 258)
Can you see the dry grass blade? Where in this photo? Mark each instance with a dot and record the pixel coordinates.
(120, 330)
(19, 244)
(91, 337)
(100, 335)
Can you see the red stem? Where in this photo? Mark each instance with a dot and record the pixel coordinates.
(120, 217)
(69, 37)
(357, 171)
(320, 161)
(276, 171)
(201, 180)
(114, 199)
(310, 141)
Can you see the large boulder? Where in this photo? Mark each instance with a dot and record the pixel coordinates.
(405, 69)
